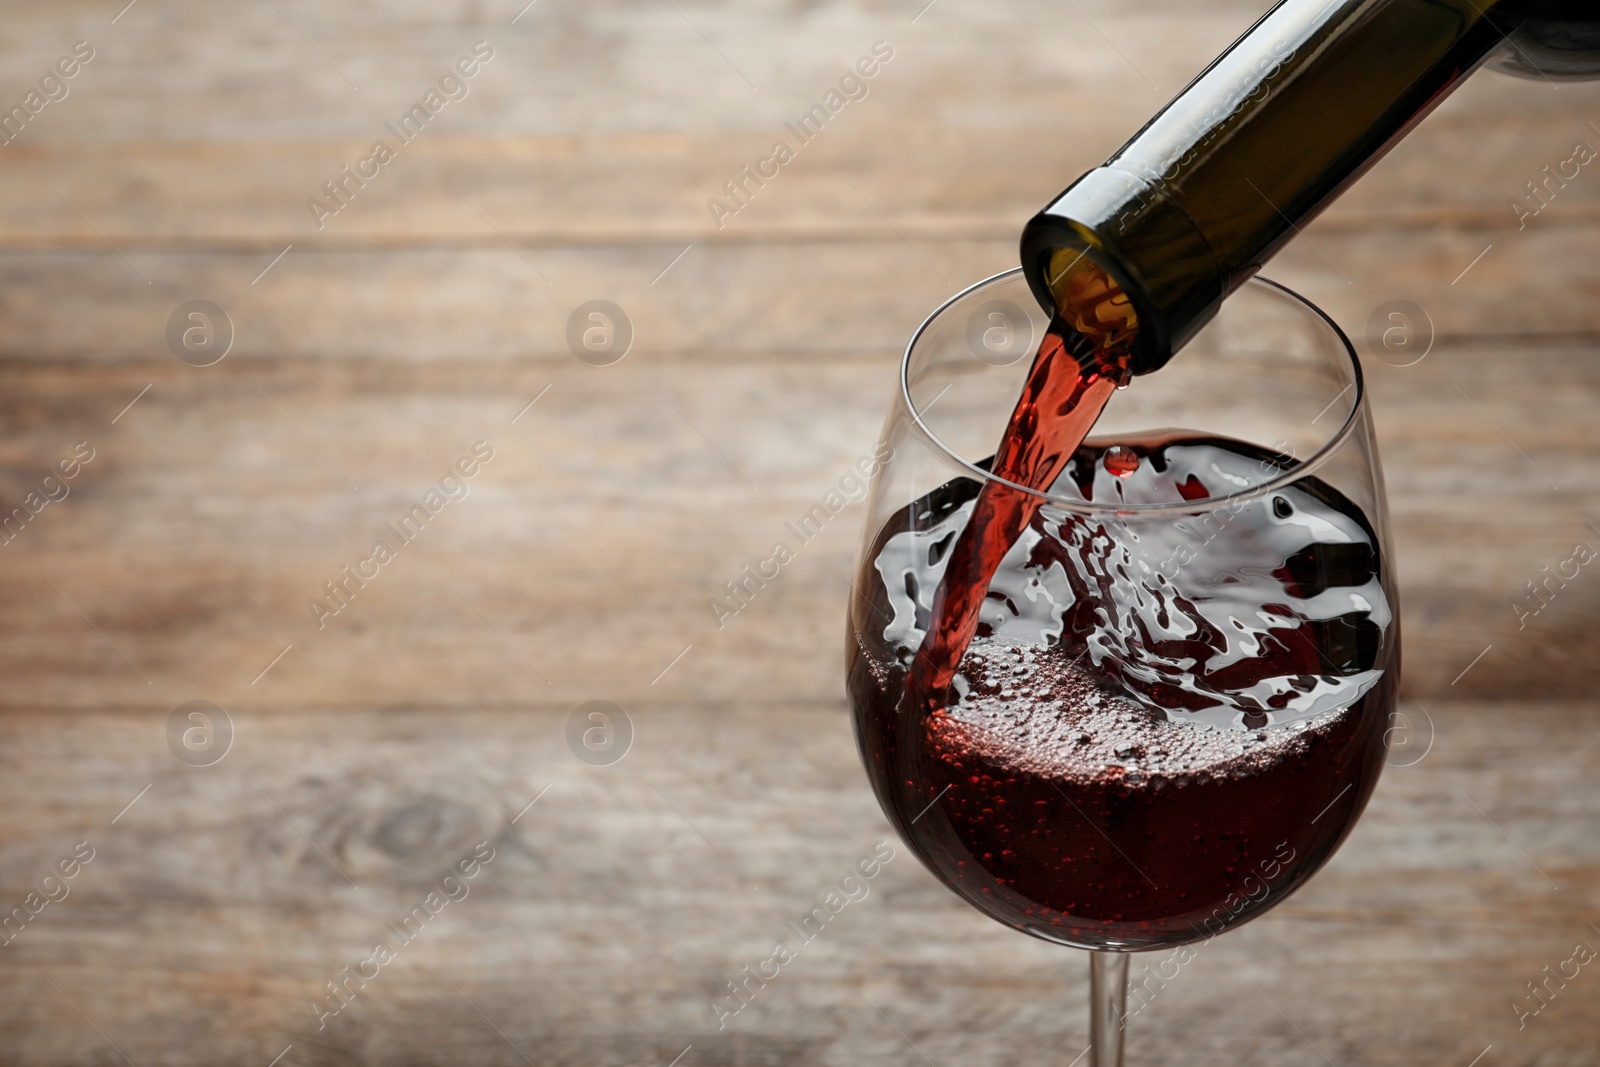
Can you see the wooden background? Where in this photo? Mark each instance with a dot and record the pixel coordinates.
(428, 314)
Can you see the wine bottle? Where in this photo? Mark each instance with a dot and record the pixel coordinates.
(1266, 137)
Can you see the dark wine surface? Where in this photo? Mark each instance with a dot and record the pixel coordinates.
(1162, 724)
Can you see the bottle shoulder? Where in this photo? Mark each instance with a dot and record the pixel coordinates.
(1556, 40)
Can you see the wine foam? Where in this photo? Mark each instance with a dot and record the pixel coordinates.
(1032, 710)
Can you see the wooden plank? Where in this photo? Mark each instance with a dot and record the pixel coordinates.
(205, 924)
(227, 521)
(552, 154)
(554, 522)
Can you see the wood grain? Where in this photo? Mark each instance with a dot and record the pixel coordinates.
(376, 751)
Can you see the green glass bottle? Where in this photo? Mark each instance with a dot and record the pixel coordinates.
(1267, 136)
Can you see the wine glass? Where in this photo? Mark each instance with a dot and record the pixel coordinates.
(1176, 702)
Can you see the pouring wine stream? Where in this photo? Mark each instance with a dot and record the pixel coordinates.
(1081, 362)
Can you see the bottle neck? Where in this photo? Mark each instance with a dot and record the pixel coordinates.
(1276, 128)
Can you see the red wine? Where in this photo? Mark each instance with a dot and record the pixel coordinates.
(1161, 726)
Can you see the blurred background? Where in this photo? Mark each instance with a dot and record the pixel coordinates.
(239, 347)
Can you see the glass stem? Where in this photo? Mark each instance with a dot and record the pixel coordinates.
(1108, 1002)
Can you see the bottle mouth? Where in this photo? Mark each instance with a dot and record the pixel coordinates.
(1141, 241)
(1293, 471)
(1093, 304)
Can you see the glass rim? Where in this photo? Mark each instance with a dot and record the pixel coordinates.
(1302, 469)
